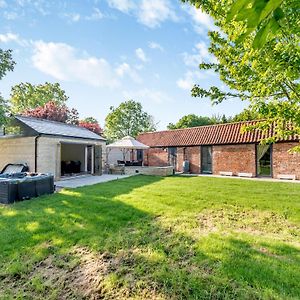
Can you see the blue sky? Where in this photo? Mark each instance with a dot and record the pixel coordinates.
(103, 52)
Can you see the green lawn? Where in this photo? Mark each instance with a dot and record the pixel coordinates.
(154, 238)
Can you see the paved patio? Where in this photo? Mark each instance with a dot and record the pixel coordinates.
(87, 180)
(242, 178)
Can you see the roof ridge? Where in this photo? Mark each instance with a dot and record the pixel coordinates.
(202, 126)
(51, 121)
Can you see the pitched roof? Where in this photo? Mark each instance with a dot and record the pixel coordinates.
(219, 134)
(47, 127)
(128, 142)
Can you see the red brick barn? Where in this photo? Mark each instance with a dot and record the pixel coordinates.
(222, 150)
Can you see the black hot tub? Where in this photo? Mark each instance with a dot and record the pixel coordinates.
(22, 186)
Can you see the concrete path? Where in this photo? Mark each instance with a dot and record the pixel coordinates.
(87, 180)
(242, 178)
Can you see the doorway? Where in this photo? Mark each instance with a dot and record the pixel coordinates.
(72, 159)
(172, 157)
(206, 159)
(264, 160)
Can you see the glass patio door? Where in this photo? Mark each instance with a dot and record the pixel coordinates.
(172, 157)
(206, 159)
(264, 160)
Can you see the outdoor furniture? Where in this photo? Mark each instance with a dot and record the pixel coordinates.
(128, 145)
(248, 175)
(134, 163)
(69, 167)
(287, 176)
(226, 173)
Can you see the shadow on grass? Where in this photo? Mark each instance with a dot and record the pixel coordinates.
(150, 256)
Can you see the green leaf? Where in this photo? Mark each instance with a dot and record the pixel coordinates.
(269, 8)
(236, 8)
(278, 14)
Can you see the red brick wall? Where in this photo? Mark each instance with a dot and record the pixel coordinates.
(234, 158)
(159, 157)
(194, 156)
(284, 162)
(230, 158)
(156, 157)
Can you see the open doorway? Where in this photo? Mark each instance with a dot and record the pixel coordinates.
(76, 159)
(264, 160)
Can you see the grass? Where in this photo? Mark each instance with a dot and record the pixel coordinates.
(154, 238)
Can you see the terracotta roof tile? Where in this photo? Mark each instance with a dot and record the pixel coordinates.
(230, 133)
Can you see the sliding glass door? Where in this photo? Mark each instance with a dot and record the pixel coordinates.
(264, 160)
(206, 159)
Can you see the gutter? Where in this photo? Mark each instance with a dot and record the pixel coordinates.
(35, 152)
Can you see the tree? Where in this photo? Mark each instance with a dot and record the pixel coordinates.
(191, 120)
(264, 17)
(267, 76)
(6, 64)
(26, 96)
(92, 126)
(127, 119)
(54, 112)
(3, 111)
(91, 120)
(246, 115)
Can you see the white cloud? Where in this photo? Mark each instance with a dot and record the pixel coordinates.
(3, 3)
(10, 16)
(141, 54)
(147, 95)
(152, 13)
(191, 77)
(125, 69)
(96, 15)
(72, 17)
(61, 61)
(9, 37)
(13, 38)
(200, 55)
(149, 13)
(202, 21)
(122, 5)
(187, 82)
(154, 45)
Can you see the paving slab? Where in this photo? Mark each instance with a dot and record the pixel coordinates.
(241, 178)
(87, 180)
